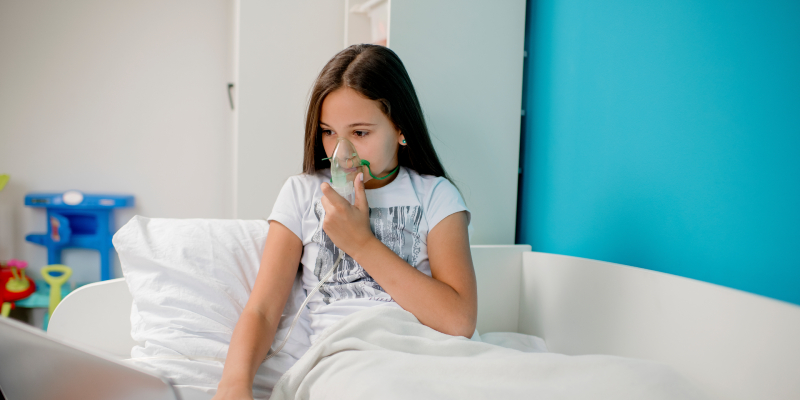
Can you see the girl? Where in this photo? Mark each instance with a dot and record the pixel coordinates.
(405, 239)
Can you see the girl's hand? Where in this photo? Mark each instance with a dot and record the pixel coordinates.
(347, 225)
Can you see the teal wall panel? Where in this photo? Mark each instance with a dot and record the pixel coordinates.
(666, 135)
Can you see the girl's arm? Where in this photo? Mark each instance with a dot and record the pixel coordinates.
(256, 327)
(448, 301)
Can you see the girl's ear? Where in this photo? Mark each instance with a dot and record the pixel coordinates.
(402, 140)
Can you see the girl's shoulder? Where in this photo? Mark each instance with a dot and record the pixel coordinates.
(429, 185)
(438, 196)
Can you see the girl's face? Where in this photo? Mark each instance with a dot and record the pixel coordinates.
(346, 113)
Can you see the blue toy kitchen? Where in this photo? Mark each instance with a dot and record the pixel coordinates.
(78, 220)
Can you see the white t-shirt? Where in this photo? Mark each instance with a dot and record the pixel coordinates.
(400, 215)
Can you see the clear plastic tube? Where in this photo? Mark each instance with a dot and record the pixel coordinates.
(303, 306)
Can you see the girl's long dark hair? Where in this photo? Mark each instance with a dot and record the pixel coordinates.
(377, 73)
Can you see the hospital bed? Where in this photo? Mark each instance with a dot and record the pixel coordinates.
(732, 344)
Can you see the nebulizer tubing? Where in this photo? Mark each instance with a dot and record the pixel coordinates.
(366, 163)
(369, 169)
(303, 306)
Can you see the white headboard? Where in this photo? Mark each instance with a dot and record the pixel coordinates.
(498, 270)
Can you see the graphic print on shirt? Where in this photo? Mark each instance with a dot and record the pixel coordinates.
(396, 227)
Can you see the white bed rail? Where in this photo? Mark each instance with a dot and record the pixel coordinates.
(733, 344)
(97, 315)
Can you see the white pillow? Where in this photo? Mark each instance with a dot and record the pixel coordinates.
(190, 280)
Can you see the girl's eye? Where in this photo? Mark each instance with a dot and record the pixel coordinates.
(361, 133)
(327, 132)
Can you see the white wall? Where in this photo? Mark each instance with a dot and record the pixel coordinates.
(465, 59)
(284, 44)
(114, 96)
(131, 96)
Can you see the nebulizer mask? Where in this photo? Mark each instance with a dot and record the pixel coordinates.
(345, 167)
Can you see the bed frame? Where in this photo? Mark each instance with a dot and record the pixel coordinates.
(732, 344)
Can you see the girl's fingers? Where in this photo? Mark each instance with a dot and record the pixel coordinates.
(361, 195)
(333, 197)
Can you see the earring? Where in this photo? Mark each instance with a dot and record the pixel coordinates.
(404, 141)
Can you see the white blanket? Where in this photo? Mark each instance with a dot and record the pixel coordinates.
(385, 353)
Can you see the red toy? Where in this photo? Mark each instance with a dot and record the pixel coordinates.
(14, 285)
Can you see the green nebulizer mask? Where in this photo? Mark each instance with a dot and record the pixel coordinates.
(345, 167)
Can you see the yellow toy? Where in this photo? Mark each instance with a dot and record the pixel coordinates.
(55, 282)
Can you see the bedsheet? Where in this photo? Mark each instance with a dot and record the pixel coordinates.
(384, 352)
(197, 377)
